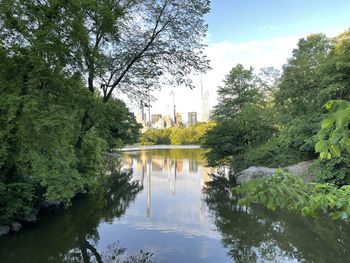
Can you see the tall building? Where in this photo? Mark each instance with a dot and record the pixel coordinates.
(192, 118)
(205, 106)
(178, 119)
(159, 124)
(155, 118)
(168, 122)
(205, 102)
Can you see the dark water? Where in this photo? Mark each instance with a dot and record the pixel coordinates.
(160, 213)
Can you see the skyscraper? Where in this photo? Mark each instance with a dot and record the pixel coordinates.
(155, 118)
(178, 119)
(205, 106)
(192, 118)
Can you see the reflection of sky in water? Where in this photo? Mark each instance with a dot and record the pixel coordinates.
(169, 217)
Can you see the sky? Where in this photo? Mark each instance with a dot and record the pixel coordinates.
(258, 33)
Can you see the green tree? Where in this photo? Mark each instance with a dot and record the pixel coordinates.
(239, 89)
(244, 116)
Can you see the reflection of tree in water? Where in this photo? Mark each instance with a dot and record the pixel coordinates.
(113, 196)
(114, 253)
(257, 234)
(72, 235)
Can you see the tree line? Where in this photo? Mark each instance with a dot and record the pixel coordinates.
(277, 120)
(272, 118)
(177, 135)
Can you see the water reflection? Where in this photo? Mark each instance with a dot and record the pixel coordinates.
(161, 213)
(170, 163)
(73, 235)
(259, 235)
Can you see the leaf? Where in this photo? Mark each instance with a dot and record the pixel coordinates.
(329, 104)
(335, 149)
(327, 123)
(321, 146)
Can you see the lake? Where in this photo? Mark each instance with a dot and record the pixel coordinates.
(165, 207)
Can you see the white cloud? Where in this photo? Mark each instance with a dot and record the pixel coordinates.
(258, 54)
(223, 56)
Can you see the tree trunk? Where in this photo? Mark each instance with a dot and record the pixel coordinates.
(86, 124)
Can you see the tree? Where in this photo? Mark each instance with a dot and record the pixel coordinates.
(125, 45)
(239, 90)
(301, 82)
(244, 118)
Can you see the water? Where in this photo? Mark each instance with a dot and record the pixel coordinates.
(160, 213)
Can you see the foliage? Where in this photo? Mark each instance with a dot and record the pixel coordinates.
(177, 135)
(291, 192)
(336, 170)
(244, 117)
(238, 91)
(333, 137)
(302, 79)
(60, 63)
(273, 153)
(190, 135)
(256, 234)
(159, 136)
(116, 124)
(316, 73)
(16, 200)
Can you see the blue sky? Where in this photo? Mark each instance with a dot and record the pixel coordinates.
(258, 33)
(246, 20)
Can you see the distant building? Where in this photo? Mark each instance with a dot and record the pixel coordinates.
(160, 124)
(168, 122)
(192, 118)
(205, 106)
(163, 122)
(155, 118)
(178, 119)
(139, 118)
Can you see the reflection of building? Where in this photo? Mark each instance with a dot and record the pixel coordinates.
(179, 166)
(192, 118)
(193, 166)
(149, 176)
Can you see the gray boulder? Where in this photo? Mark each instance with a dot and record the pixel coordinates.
(15, 226)
(256, 171)
(4, 230)
(31, 217)
(48, 204)
(299, 168)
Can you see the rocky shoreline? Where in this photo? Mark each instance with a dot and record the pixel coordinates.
(31, 217)
(254, 172)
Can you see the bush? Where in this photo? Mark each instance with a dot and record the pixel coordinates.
(272, 153)
(335, 170)
(286, 191)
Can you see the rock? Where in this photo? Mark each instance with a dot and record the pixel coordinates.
(298, 169)
(47, 204)
(31, 217)
(15, 226)
(4, 230)
(254, 172)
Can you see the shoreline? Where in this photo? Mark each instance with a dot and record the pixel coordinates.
(157, 147)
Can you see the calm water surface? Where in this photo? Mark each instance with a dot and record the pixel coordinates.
(160, 213)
